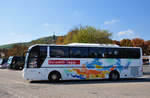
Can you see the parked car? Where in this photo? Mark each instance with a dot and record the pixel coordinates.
(3, 62)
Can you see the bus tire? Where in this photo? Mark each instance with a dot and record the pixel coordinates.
(114, 75)
(54, 76)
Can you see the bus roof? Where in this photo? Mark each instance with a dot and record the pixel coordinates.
(84, 45)
(87, 44)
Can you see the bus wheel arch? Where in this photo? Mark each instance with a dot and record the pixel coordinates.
(54, 76)
(114, 75)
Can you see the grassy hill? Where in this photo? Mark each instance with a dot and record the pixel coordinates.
(44, 40)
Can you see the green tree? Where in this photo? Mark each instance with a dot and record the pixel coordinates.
(89, 34)
(69, 37)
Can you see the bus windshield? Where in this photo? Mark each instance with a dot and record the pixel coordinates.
(36, 57)
(10, 60)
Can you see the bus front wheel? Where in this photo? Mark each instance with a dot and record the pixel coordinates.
(114, 75)
(54, 76)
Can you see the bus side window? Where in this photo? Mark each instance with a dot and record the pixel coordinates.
(43, 52)
(96, 52)
(129, 53)
(106, 53)
(78, 52)
(111, 53)
(41, 56)
(114, 53)
(59, 52)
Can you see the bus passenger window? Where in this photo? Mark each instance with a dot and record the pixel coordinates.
(96, 52)
(111, 53)
(76, 52)
(43, 52)
(41, 56)
(59, 52)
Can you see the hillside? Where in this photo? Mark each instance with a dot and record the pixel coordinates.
(44, 40)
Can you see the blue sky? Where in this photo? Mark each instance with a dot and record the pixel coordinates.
(26, 20)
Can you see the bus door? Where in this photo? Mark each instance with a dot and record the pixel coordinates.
(37, 56)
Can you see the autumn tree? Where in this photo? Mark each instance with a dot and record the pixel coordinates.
(126, 42)
(5, 52)
(60, 40)
(147, 47)
(17, 50)
(116, 42)
(138, 42)
(2, 53)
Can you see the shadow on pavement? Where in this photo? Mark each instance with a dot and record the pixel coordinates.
(72, 82)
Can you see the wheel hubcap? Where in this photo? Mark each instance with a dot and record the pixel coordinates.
(54, 77)
(114, 76)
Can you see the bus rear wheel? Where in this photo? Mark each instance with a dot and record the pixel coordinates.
(54, 76)
(114, 75)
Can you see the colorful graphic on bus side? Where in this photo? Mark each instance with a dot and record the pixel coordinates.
(96, 69)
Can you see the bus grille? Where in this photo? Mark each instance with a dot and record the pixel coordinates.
(134, 71)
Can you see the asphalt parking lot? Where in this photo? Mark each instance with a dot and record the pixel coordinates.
(12, 85)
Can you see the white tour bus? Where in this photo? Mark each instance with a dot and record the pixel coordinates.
(82, 61)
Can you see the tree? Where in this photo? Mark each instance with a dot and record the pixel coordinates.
(69, 37)
(5, 52)
(17, 50)
(60, 40)
(116, 42)
(126, 43)
(138, 42)
(89, 34)
(147, 49)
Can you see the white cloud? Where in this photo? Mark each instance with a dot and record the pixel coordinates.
(130, 34)
(113, 21)
(126, 33)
